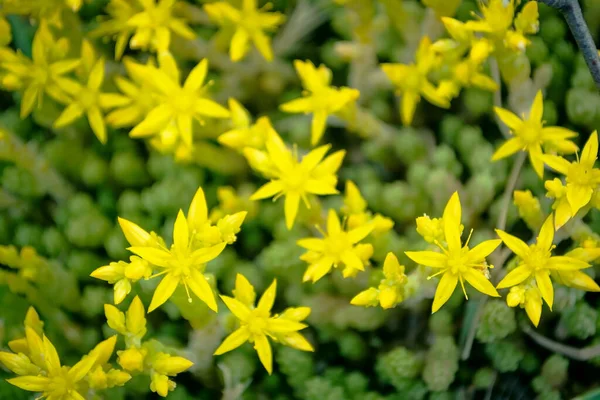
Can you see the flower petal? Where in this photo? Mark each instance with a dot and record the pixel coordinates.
(508, 148)
(478, 280)
(519, 247)
(537, 108)
(509, 118)
(201, 288)
(181, 234)
(428, 258)
(557, 163)
(444, 290)
(542, 278)
(233, 341)
(514, 277)
(546, 235)
(237, 308)
(578, 196)
(263, 348)
(80, 370)
(564, 263)
(451, 220)
(153, 255)
(292, 201)
(268, 298)
(31, 383)
(163, 291)
(590, 151)
(319, 120)
(267, 190)
(484, 249)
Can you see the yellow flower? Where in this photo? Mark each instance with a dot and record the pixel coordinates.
(195, 242)
(530, 135)
(257, 324)
(355, 209)
(529, 208)
(579, 279)
(536, 261)
(137, 101)
(411, 81)
(390, 291)
(527, 296)
(457, 263)
(248, 24)
(132, 325)
(431, 229)
(151, 23)
(582, 179)
(338, 247)
(89, 100)
(171, 120)
(121, 274)
(50, 11)
(293, 179)
(320, 98)
(244, 133)
(51, 379)
(163, 366)
(42, 74)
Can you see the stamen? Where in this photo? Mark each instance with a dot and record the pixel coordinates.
(436, 274)
(187, 290)
(166, 271)
(437, 243)
(305, 200)
(320, 230)
(469, 238)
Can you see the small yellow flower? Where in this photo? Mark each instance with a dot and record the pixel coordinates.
(43, 74)
(44, 372)
(170, 121)
(321, 99)
(411, 81)
(390, 291)
(132, 325)
(338, 247)
(355, 209)
(530, 135)
(248, 24)
(163, 366)
(87, 99)
(579, 279)
(151, 23)
(295, 180)
(431, 229)
(582, 179)
(244, 133)
(121, 274)
(257, 324)
(457, 263)
(536, 261)
(527, 296)
(529, 208)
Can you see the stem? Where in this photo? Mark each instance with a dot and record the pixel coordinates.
(571, 10)
(582, 354)
(495, 71)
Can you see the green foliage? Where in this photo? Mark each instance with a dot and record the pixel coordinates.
(497, 322)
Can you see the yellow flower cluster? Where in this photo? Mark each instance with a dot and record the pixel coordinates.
(36, 362)
(458, 62)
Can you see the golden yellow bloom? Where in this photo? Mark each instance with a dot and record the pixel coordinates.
(247, 24)
(293, 179)
(431, 229)
(164, 366)
(87, 99)
(527, 296)
(138, 97)
(243, 133)
(536, 261)
(43, 74)
(579, 279)
(390, 291)
(321, 99)
(40, 370)
(530, 135)
(355, 209)
(582, 179)
(529, 208)
(411, 81)
(121, 274)
(151, 23)
(170, 121)
(338, 247)
(257, 324)
(457, 263)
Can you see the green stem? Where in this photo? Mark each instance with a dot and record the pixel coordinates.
(571, 10)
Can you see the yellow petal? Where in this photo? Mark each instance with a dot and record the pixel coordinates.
(268, 298)
(564, 263)
(198, 211)
(562, 212)
(51, 357)
(197, 76)
(317, 270)
(537, 108)
(201, 288)
(181, 233)
(557, 163)
(263, 44)
(156, 120)
(135, 321)
(239, 45)
(388, 297)
(104, 350)
(263, 348)
(280, 325)
(301, 105)
(333, 223)
(80, 370)
(478, 280)
(233, 341)
(391, 266)
(484, 249)
(408, 107)
(163, 291)
(115, 318)
(237, 308)
(158, 257)
(244, 291)
(31, 383)
(96, 121)
(110, 273)
(514, 277)
(36, 347)
(319, 120)
(578, 196)
(519, 247)
(292, 201)
(297, 341)
(508, 148)
(352, 260)
(536, 157)
(369, 297)
(444, 290)
(533, 307)
(184, 125)
(210, 108)
(267, 190)
(70, 114)
(509, 118)
(135, 235)
(312, 244)
(358, 234)
(451, 220)
(96, 75)
(428, 258)
(557, 133)
(542, 278)
(546, 235)
(172, 365)
(206, 254)
(590, 151)
(582, 281)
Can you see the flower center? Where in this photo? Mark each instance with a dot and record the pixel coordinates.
(88, 98)
(538, 258)
(580, 174)
(296, 179)
(257, 324)
(530, 132)
(183, 103)
(336, 245)
(413, 80)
